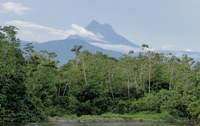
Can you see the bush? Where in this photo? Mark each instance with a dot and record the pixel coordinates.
(194, 110)
(164, 100)
(121, 107)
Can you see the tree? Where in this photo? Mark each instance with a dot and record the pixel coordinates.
(12, 89)
(149, 54)
(76, 49)
(127, 68)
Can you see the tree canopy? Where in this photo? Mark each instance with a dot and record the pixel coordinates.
(33, 88)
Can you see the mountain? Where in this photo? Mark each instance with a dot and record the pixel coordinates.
(194, 55)
(109, 34)
(63, 48)
(109, 43)
(103, 38)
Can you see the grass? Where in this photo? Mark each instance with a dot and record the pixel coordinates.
(141, 117)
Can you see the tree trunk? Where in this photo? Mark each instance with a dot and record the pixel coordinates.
(58, 94)
(110, 85)
(140, 79)
(68, 83)
(128, 86)
(136, 80)
(142, 76)
(84, 72)
(171, 77)
(149, 77)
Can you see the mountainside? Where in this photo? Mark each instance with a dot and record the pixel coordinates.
(109, 34)
(62, 48)
(101, 38)
(194, 55)
(109, 43)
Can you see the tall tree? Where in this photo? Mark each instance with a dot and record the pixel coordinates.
(149, 53)
(12, 89)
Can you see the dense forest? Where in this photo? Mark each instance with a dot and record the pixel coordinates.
(33, 87)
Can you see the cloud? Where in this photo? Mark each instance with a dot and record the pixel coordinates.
(16, 8)
(34, 32)
(118, 48)
(168, 47)
(30, 31)
(148, 49)
(188, 50)
(78, 30)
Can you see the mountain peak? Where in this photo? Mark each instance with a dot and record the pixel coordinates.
(96, 27)
(94, 23)
(107, 31)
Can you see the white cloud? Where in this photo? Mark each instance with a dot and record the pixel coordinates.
(35, 32)
(118, 48)
(168, 47)
(30, 31)
(78, 30)
(16, 8)
(188, 50)
(148, 49)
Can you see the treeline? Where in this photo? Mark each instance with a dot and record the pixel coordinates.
(33, 88)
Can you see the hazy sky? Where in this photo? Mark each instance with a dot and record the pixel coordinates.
(162, 24)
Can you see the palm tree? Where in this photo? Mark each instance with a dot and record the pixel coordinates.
(144, 46)
(76, 49)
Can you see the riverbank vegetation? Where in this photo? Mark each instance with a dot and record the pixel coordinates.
(33, 87)
(146, 117)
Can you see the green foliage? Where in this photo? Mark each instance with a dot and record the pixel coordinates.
(18, 95)
(32, 87)
(142, 116)
(194, 109)
(121, 107)
(162, 101)
(162, 117)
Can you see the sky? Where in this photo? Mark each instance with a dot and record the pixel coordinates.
(162, 24)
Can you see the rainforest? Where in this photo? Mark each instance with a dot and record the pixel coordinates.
(33, 87)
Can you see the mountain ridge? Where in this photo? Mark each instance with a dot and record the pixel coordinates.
(109, 34)
(107, 45)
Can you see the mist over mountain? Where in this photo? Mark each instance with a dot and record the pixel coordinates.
(109, 34)
(63, 48)
(108, 42)
(100, 37)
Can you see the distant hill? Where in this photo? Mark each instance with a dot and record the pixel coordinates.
(62, 48)
(110, 43)
(110, 40)
(194, 55)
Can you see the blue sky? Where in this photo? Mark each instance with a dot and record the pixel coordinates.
(162, 24)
